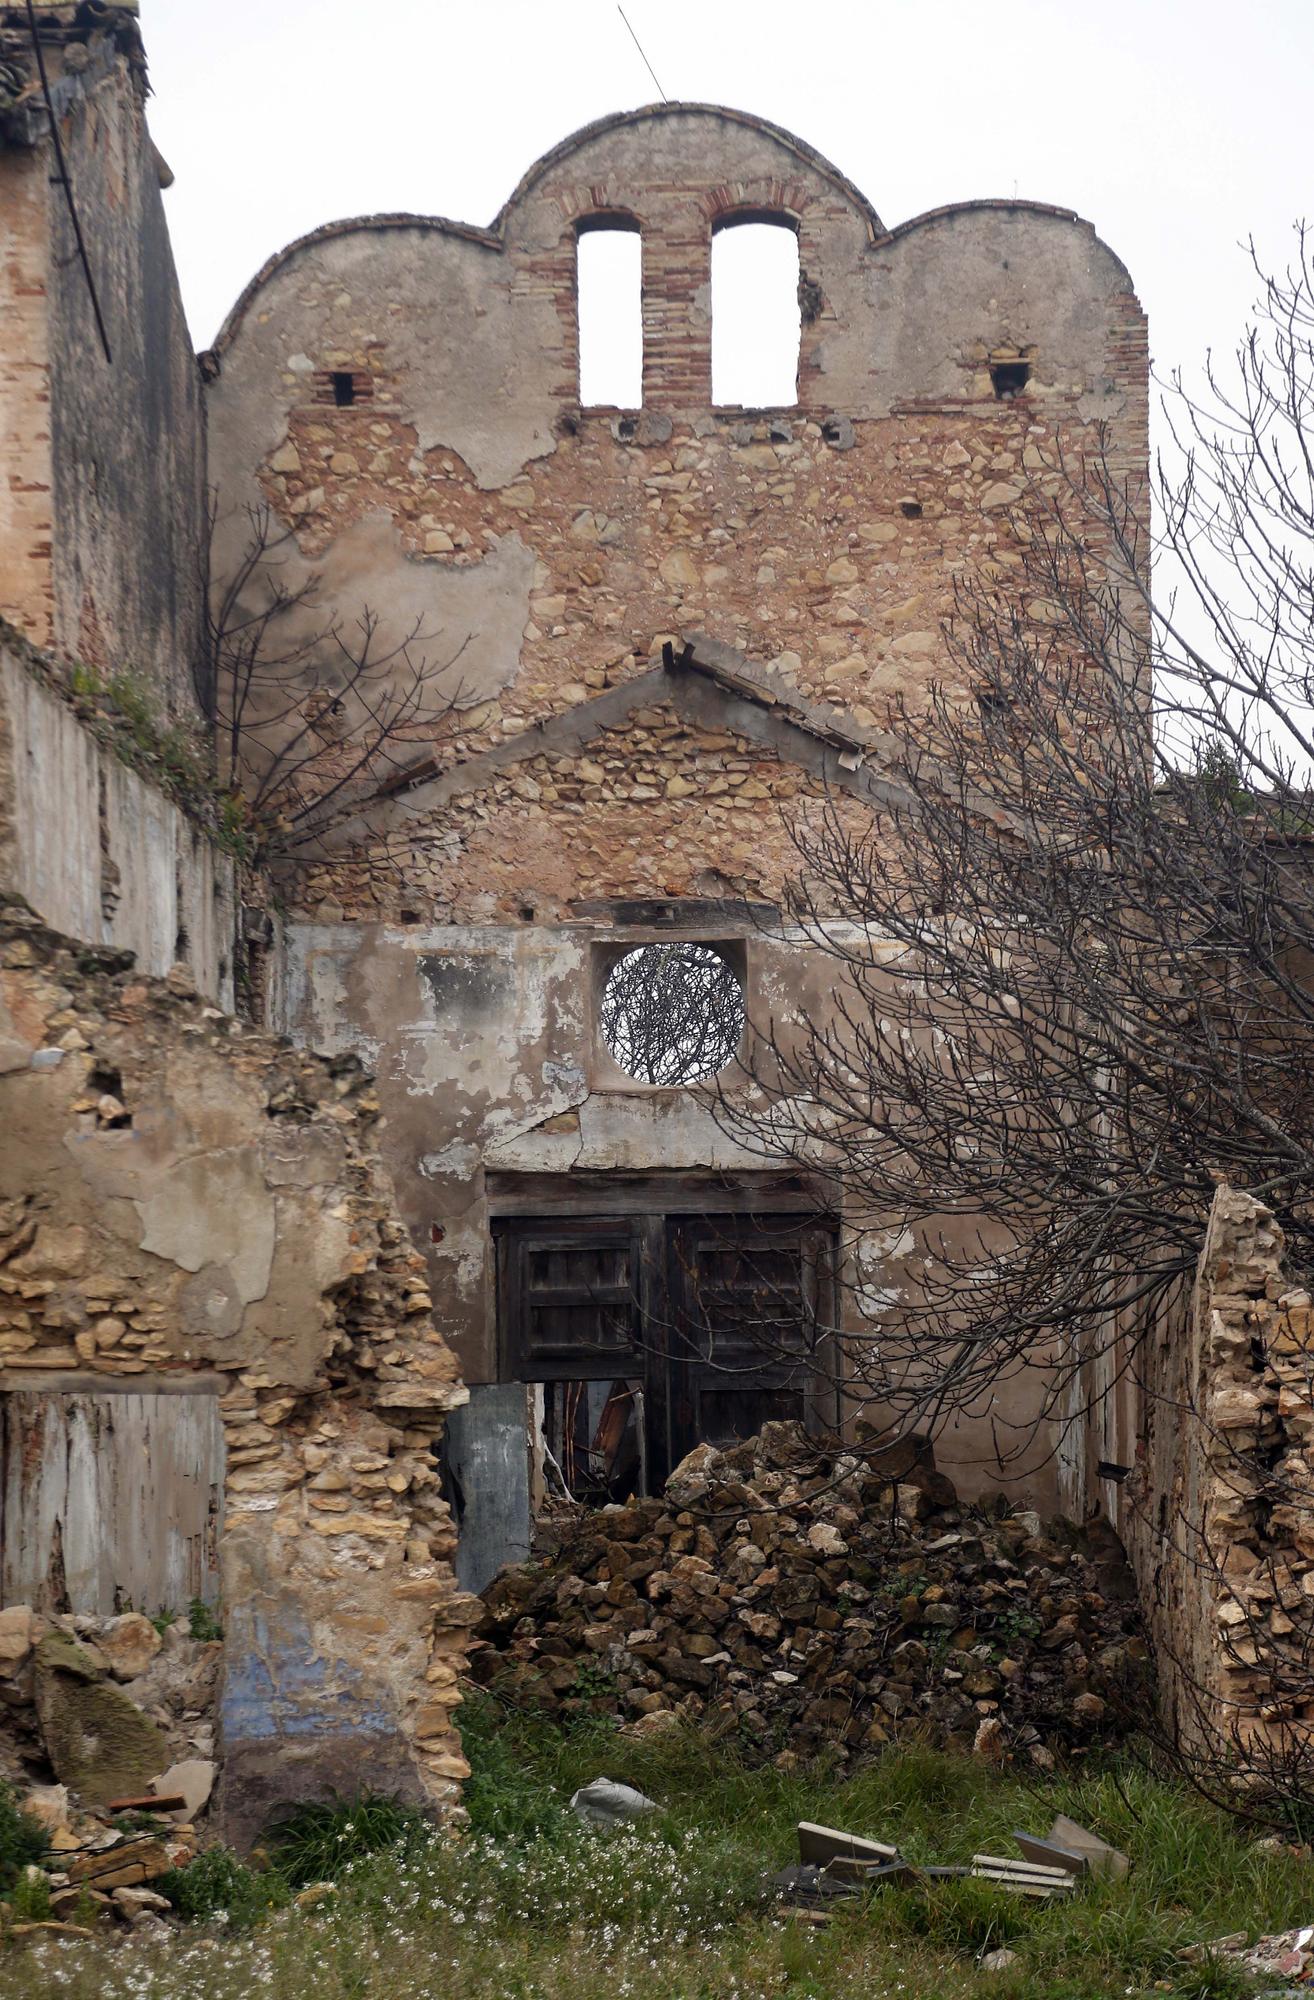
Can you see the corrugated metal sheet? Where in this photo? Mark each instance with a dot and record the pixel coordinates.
(110, 1501)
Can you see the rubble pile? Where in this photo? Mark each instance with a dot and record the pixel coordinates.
(99, 1865)
(104, 1706)
(814, 1599)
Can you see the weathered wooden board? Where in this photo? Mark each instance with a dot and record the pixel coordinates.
(110, 1501)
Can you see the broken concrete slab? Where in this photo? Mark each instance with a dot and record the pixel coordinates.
(192, 1781)
(1050, 1855)
(1100, 1858)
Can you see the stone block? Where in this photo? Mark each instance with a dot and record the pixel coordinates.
(17, 1628)
(129, 1643)
(98, 1741)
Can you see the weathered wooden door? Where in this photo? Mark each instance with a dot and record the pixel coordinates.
(748, 1308)
(110, 1501)
(709, 1322)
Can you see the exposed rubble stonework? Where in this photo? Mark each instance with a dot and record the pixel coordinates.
(190, 1204)
(1218, 1515)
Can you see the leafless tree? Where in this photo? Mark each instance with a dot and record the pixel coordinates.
(1072, 969)
(307, 709)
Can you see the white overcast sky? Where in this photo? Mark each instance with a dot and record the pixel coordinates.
(1178, 127)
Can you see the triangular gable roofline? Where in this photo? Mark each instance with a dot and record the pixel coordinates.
(711, 684)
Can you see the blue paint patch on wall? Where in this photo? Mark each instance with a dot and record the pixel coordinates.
(277, 1686)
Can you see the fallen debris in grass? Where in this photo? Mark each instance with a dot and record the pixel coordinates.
(1285, 1955)
(1100, 1858)
(606, 1803)
(833, 1862)
(1022, 1878)
(821, 1844)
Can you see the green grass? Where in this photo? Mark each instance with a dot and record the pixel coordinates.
(529, 1905)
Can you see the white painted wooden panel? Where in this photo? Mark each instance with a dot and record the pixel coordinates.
(110, 1501)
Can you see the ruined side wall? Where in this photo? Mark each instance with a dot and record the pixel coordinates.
(183, 1201)
(1218, 1517)
(94, 847)
(103, 555)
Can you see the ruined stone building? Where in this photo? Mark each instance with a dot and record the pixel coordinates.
(325, 1196)
(671, 626)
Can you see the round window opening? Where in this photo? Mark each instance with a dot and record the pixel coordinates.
(672, 1013)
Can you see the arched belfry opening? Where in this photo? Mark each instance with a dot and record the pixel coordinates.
(756, 319)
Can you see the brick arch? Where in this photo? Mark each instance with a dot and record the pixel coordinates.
(785, 203)
(558, 156)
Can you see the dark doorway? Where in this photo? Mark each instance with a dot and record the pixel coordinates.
(654, 1333)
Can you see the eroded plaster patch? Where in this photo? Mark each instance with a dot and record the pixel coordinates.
(214, 1209)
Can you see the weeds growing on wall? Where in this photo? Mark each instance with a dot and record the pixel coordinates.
(123, 711)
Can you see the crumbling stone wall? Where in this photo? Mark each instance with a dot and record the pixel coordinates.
(183, 1199)
(1218, 1516)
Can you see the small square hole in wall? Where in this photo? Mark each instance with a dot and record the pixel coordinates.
(344, 387)
(1009, 378)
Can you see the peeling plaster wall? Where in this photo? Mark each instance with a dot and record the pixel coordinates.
(467, 354)
(487, 1061)
(823, 541)
(187, 1202)
(483, 1043)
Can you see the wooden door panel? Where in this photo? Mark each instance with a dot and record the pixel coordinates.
(717, 1316)
(568, 1298)
(747, 1309)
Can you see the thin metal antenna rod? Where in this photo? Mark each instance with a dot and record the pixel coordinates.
(67, 185)
(633, 37)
